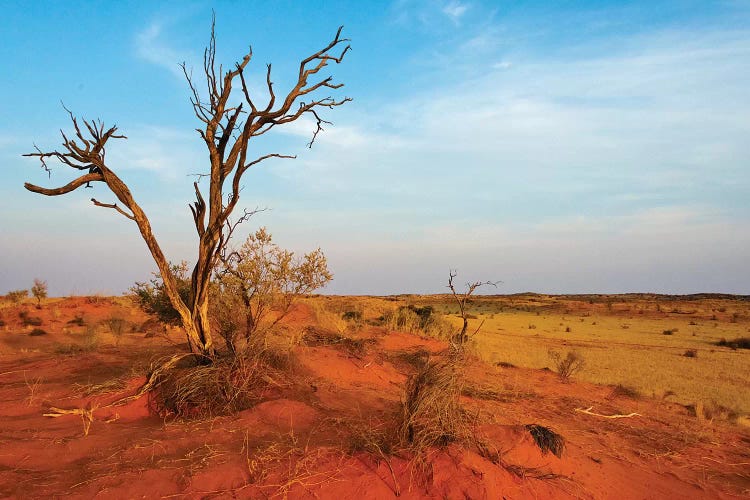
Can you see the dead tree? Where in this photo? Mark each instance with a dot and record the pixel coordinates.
(230, 118)
(461, 299)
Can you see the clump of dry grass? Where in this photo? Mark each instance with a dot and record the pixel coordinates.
(187, 389)
(738, 343)
(431, 412)
(620, 390)
(710, 411)
(415, 359)
(546, 439)
(317, 336)
(286, 462)
(412, 319)
(108, 386)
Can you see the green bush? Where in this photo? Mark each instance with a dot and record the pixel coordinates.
(153, 299)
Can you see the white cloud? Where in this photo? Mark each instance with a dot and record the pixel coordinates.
(545, 172)
(455, 10)
(151, 47)
(170, 153)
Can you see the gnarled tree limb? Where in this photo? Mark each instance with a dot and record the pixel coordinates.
(67, 188)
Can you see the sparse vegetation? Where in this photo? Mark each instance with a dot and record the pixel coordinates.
(413, 319)
(565, 367)
(116, 326)
(257, 284)
(621, 390)
(153, 297)
(738, 343)
(546, 439)
(17, 296)
(39, 291)
(27, 320)
(77, 320)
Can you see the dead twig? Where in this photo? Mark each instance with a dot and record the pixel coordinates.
(87, 415)
(588, 411)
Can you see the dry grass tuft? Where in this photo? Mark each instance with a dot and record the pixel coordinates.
(414, 359)
(738, 343)
(431, 413)
(546, 439)
(620, 390)
(287, 462)
(109, 386)
(418, 320)
(709, 411)
(432, 416)
(355, 347)
(188, 390)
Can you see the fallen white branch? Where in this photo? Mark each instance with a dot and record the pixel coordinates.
(86, 414)
(588, 411)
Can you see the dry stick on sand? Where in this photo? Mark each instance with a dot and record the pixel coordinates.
(87, 415)
(588, 411)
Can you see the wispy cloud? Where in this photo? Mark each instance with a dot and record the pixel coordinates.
(455, 10)
(428, 13)
(151, 46)
(634, 155)
(167, 152)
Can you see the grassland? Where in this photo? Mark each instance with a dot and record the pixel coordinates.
(661, 346)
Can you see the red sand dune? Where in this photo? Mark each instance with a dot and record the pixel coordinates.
(293, 446)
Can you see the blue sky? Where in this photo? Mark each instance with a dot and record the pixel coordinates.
(561, 147)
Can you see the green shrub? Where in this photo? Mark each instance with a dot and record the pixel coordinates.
(153, 299)
(39, 291)
(37, 332)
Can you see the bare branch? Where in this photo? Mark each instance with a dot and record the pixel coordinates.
(199, 210)
(113, 206)
(71, 186)
(461, 300)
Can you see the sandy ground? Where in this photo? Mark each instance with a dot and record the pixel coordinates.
(298, 442)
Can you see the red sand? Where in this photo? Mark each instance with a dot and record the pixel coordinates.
(293, 447)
